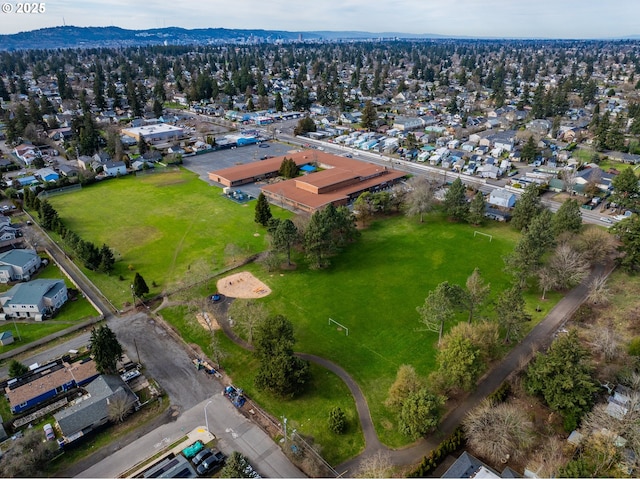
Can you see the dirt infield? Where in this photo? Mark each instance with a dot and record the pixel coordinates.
(243, 285)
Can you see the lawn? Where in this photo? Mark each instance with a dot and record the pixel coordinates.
(159, 225)
(308, 414)
(373, 289)
(72, 312)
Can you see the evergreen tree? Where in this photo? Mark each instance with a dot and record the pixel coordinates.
(263, 210)
(107, 260)
(284, 237)
(106, 350)
(529, 151)
(563, 377)
(625, 188)
(279, 103)
(477, 209)
(140, 287)
(455, 201)
(567, 218)
(142, 145)
(17, 369)
(369, 116)
(527, 207)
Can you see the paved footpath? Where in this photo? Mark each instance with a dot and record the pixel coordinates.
(539, 338)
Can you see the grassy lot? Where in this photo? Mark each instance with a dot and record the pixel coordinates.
(72, 312)
(308, 414)
(159, 225)
(373, 287)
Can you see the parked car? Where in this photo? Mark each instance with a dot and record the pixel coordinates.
(48, 432)
(193, 449)
(201, 456)
(211, 464)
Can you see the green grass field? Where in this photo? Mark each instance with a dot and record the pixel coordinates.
(159, 225)
(162, 223)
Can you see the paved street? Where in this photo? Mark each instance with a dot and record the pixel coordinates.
(234, 432)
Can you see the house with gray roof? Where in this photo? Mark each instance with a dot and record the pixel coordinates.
(468, 466)
(35, 299)
(92, 409)
(18, 265)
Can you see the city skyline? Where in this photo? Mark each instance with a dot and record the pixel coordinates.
(468, 18)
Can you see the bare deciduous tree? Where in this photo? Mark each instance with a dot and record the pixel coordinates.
(420, 196)
(119, 406)
(596, 244)
(217, 354)
(546, 280)
(568, 178)
(606, 342)
(477, 291)
(377, 466)
(599, 292)
(568, 266)
(499, 432)
(246, 314)
(550, 457)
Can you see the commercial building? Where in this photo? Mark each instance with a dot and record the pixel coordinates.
(158, 133)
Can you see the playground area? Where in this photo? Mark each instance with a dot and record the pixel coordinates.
(243, 285)
(238, 196)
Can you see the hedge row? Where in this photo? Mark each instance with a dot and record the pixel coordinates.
(446, 447)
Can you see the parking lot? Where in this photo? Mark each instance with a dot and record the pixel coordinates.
(217, 160)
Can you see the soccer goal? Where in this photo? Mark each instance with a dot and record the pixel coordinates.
(475, 233)
(340, 326)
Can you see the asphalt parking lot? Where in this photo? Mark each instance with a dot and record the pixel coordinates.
(217, 160)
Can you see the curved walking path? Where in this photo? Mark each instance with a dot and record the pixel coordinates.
(539, 337)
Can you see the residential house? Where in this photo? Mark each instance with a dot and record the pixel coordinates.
(488, 171)
(48, 175)
(47, 382)
(92, 409)
(35, 299)
(592, 175)
(407, 124)
(468, 466)
(502, 198)
(539, 126)
(18, 265)
(26, 153)
(115, 168)
(8, 233)
(6, 338)
(68, 171)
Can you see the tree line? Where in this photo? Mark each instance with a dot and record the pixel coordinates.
(93, 257)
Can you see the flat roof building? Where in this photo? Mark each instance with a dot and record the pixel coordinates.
(155, 133)
(339, 181)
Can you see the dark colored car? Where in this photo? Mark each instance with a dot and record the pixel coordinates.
(211, 464)
(201, 456)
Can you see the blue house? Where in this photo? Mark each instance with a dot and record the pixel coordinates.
(47, 382)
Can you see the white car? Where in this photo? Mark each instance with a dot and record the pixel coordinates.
(606, 220)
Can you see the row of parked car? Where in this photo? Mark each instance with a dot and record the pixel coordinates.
(207, 461)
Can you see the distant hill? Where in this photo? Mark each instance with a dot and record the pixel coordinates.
(91, 37)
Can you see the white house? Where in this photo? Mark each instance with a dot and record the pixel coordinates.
(502, 198)
(115, 168)
(406, 124)
(18, 265)
(34, 299)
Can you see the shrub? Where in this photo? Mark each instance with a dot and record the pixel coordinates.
(433, 460)
(634, 347)
(337, 420)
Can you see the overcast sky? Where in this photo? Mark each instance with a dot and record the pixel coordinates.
(475, 18)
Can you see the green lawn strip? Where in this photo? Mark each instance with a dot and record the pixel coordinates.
(308, 414)
(159, 225)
